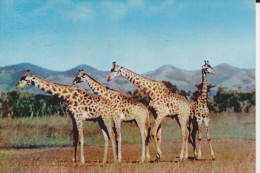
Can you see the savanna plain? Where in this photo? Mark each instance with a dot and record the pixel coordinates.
(44, 144)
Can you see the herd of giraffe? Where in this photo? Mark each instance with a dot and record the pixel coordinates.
(110, 107)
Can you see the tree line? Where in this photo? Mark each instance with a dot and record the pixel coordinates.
(223, 101)
(24, 104)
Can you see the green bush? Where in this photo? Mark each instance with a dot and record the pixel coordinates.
(22, 104)
(234, 99)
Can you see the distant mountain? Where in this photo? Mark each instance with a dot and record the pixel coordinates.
(227, 76)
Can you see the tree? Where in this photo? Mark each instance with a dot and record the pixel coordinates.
(22, 104)
(240, 102)
(170, 86)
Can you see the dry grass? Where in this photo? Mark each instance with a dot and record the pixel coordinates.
(231, 156)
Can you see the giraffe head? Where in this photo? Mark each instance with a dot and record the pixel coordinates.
(79, 77)
(206, 68)
(114, 72)
(25, 80)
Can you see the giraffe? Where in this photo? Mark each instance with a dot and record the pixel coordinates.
(199, 112)
(131, 110)
(163, 101)
(82, 106)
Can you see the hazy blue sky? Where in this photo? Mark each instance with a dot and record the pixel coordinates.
(139, 34)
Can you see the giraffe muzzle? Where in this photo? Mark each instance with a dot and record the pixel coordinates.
(16, 87)
(75, 81)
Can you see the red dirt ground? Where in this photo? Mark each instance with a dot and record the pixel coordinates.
(232, 155)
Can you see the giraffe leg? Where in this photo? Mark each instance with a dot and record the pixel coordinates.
(159, 135)
(199, 120)
(106, 138)
(106, 145)
(143, 132)
(193, 133)
(206, 122)
(147, 145)
(75, 139)
(81, 141)
(184, 150)
(187, 143)
(154, 132)
(190, 128)
(186, 122)
(119, 138)
(109, 125)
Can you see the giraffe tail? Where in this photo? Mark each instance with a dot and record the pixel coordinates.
(193, 127)
(149, 128)
(190, 130)
(148, 136)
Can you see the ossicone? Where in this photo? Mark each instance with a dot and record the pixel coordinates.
(114, 64)
(206, 62)
(28, 72)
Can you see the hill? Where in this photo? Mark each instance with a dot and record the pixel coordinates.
(227, 76)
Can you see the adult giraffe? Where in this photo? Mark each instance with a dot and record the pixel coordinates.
(82, 106)
(131, 110)
(163, 101)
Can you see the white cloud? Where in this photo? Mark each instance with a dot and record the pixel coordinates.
(114, 10)
(117, 10)
(54, 3)
(136, 3)
(80, 10)
(18, 11)
(161, 6)
(69, 10)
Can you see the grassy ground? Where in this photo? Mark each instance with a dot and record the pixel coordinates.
(233, 140)
(55, 131)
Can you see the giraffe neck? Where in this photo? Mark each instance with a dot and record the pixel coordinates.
(148, 86)
(204, 89)
(66, 92)
(101, 89)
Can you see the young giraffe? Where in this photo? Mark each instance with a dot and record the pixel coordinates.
(131, 110)
(82, 106)
(200, 112)
(163, 101)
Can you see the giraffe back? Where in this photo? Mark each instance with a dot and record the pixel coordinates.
(171, 104)
(92, 107)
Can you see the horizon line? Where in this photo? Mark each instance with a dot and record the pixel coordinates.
(108, 70)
